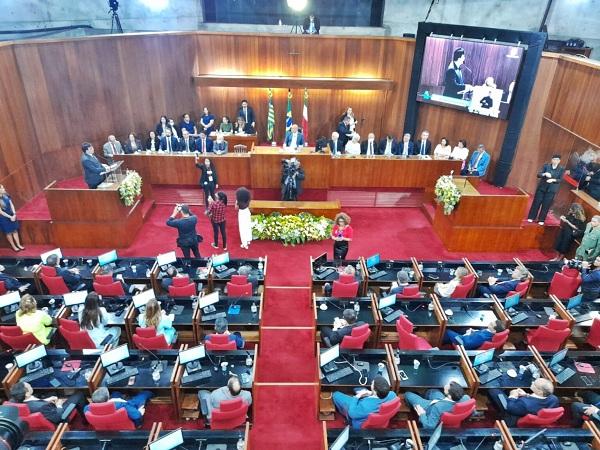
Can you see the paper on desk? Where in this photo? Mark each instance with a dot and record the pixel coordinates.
(584, 367)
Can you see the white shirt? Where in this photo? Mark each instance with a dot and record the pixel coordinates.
(294, 140)
(446, 289)
(460, 153)
(336, 147)
(404, 148)
(388, 147)
(370, 147)
(442, 152)
(353, 148)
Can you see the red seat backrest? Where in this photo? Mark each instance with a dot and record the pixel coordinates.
(104, 278)
(410, 291)
(346, 278)
(77, 340)
(593, 338)
(497, 341)
(147, 332)
(229, 415)
(381, 419)
(157, 342)
(558, 324)
(68, 324)
(3, 289)
(181, 281)
(49, 271)
(570, 272)
(239, 290)
(344, 289)
(104, 417)
(182, 291)
(114, 289)
(465, 286)
(460, 412)
(522, 288)
(220, 342)
(406, 339)
(543, 418)
(546, 339)
(357, 338)
(36, 421)
(239, 279)
(564, 286)
(13, 337)
(55, 285)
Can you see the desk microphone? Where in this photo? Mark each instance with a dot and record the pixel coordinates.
(200, 442)
(158, 366)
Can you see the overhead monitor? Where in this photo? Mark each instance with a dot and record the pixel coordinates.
(192, 354)
(320, 260)
(341, 440)
(574, 302)
(164, 259)
(168, 441)
(372, 261)
(75, 298)
(512, 301)
(30, 356)
(107, 258)
(558, 357)
(114, 356)
(208, 299)
(386, 302)
(9, 299)
(56, 251)
(142, 298)
(219, 260)
(331, 354)
(483, 357)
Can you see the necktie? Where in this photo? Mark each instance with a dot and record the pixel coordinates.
(169, 144)
(246, 114)
(113, 147)
(334, 146)
(370, 148)
(187, 145)
(203, 145)
(423, 147)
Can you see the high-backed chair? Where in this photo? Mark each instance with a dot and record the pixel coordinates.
(14, 337)
(76, 338)
(346, 278)
(105, 417)
(381, 419)
(593, 337)
(105, 285)
(147, 339)
(558, 324)
(356, 340)
(547, 339)
(239, 286)
(523, 287)
(465, 286)
(460, 411)
(182, 287)
(410, 291)
(341, 289)
(35, 421)
(49, 271)
(220, 342)
(543, 418)
(497, 341)
(563, 286)
(230, 414)
(407, 340)
(3, 289)
(55, 285)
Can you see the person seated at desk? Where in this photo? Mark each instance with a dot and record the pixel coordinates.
(221, 327)
(31, 320)
(111, 148)
(423, 146)
(187, 143)
(357, 408)
(406, 147)
(519, 403)
(398, 286)
(502, 288)
(167, 279)
(10, 283)
(473, 339)
(253, 279)
(460, 152)
(435, 403)
(311, 25)
(52, 408)
(169, 143)
(353, 146)
(242, 127)
(445, 290)
(153, 316)
(93, 319)
(212, 400)
(369, 147)
(443, 150)
(478, 163)
(589, 407)
(590, 280)
(590, 242)
(348, 270)
(70, 276)
(341, 328)
(188, 124)
(204, 144)
(294, 139)
(133, 144)
(220, 145)
(226, 126)
(335, 144)
(126, 287)
(153, 142)
(135, 406)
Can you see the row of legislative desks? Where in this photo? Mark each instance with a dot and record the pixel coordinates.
(470, 439)
(127, 440)
(73, 370)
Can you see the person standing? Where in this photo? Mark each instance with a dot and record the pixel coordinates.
(207, 121)
(342, 234)
(454, 82)
(572, 227)
(247, 113)
(94, 172)
(590, 242)
(9, 224)
(112, 148)
(216, 213)
(242, 204)
(550, 177)
(187, 239)
(208, 179)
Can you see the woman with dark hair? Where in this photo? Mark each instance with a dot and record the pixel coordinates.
(207, 121)
(341, 233)
(153, 142)
(460, 152)
(443, 149)
(9, 225)
(216, 212)
(572, 226)
(208, 179)
(226, 125)
(242, 203)
(162, 126)
(133, 144)
(93, 319)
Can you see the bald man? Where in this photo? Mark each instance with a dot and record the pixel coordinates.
(111, 148)
(294, 139)
(369, 147)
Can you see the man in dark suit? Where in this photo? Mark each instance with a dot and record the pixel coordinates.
(10, 283)
(423, 146)
(311, 25)
(344, 131)
(341, 328)
(187, 238)
(187, 143)
(93, 171)
(247, 113)
(501, 288)
(454, 83)
(369, 147)
(54, 409)
(169, 143)
(550, 177)
(204, 144)
(388, 146)
(335, 144)
(70, 276)
(406, 147)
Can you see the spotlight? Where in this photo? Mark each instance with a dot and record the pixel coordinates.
(297, 5)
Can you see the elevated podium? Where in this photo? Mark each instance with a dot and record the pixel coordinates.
(84, 217)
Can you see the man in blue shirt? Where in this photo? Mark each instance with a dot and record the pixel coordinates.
(356, 408)
(473, 339)
(501, 288)
(186, 226)
(519, 403)
(135, 406)
(590, 407)
(478, 163)
(221, 327)
(435, 403)
(590, 280)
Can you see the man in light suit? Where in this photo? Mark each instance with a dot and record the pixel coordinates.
(247, 113)
(369, 147)
(423, 146)
(169, 143)
(93, 171)
(294, 139)
(406, 147)
(204, 144)
(336, 146)
(220, 145)
(111, 148)
(478, 164)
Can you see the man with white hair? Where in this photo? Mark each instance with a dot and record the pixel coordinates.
(335, 144)
(369, 147)
(353, 146)
(501, 288)
(112, 148)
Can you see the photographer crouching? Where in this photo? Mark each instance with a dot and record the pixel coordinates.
(590, 280)
(292, 176)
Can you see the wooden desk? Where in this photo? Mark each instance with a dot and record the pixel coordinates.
(590, 205)
(236, 139)
(326, 209)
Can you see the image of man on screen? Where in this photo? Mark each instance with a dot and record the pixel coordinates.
(454, 82)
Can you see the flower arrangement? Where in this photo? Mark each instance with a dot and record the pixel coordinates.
(291, 229)
(130, 188)
(446, 193)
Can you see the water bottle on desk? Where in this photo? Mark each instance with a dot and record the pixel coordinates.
(156, 377)
(240, 444)
(357, 306)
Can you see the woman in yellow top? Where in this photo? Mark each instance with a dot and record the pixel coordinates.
(33, 321)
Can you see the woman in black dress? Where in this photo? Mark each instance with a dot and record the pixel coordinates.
(208, 179)
(572, 227)
(9, 224)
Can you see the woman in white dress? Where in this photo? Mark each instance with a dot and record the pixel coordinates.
(353, 146)
(460, 152)
(242, 203)
(443, 149)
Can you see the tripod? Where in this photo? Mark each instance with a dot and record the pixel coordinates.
(115, 21)
(296, 28)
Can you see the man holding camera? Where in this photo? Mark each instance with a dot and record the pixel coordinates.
(590, 280)
(188, 239)
(291, 179)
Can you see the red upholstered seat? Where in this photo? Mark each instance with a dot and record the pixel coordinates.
(410, 291)
(381, 419)
(358, 337)
(522, 288)
(36, 421)
(564, 286)
(497, 341)
(406, 339)
(104, 278)
(182, 287)
(55, 285)
(558, 324)
(341, 289)
(104, 417)
(547, 339)
(543, 418)
(239, 279)
(230, 414)
(3, 289)
(570, 272)
(220, 342)
(14, 337)
(465, 287)
(147, 339)
(181, 281)
(593, 338)
(68, 324)
(49, 271)
(239, 290)
(459, 412)
(346, 278)
(76, 338)
(114, 289)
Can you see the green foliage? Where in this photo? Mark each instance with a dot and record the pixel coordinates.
(446, 193)
(131, 188)
(291, 229)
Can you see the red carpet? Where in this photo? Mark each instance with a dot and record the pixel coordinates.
(287, 307)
